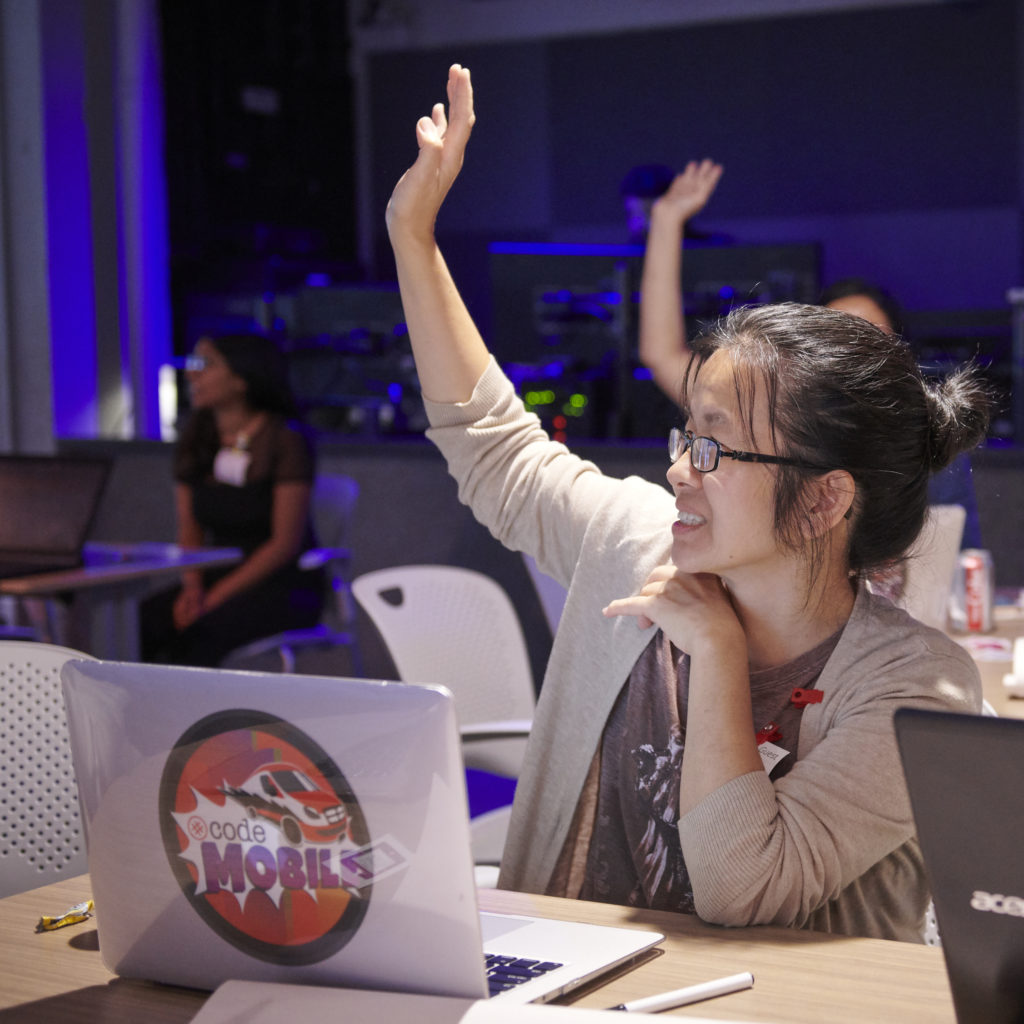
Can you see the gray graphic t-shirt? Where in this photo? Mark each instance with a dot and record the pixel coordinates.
(635, 856)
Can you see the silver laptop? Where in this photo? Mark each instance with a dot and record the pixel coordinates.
(285, 828)
(965, 776)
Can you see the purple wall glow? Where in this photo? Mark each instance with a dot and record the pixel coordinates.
(69, 227)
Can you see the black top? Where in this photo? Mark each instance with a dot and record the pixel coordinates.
(241, 515)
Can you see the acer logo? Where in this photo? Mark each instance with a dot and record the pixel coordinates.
(997, 903)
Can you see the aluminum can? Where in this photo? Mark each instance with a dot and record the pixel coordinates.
(973, 592)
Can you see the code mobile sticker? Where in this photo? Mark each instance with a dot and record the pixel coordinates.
(267, 839)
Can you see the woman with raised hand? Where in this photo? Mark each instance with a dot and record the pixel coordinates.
(714, 733)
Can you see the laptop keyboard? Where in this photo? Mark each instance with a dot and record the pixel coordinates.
(505, 972)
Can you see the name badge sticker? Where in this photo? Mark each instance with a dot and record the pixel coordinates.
(771, 755)
(231, 465)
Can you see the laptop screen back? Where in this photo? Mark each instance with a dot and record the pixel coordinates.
(276, 828)
(965, 775)
(47, 504)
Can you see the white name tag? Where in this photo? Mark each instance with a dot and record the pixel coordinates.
(771, 755)
(231, 465)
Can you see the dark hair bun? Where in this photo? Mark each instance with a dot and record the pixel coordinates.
(961, 407)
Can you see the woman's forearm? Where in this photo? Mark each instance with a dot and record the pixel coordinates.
(662, 342)
(720, 741)
(450, 354)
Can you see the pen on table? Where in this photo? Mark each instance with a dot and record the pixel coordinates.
(690, 994)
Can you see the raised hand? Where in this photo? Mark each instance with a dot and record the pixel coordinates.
(442, 141)
(689, 192)
(450, 354)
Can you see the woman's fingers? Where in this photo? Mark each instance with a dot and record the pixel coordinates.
(442, 140)
(460, 105)
(426, 132)
(636, 606)
(454, 130)
(641, 604)
(684, 605)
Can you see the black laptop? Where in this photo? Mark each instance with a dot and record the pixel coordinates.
(965, 775)
(47, 506)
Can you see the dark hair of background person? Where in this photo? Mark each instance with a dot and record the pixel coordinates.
(647, 181)
(847, 286)
(261, 364)
(843, 394)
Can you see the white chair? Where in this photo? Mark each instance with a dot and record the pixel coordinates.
(40, 830)
(931, 564)
(458, 627)
(333, 506)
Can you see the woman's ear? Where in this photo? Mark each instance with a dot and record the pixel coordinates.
(832, 498)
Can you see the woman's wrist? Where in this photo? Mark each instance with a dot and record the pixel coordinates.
(668, 215)
(413, 244)
(720, 645)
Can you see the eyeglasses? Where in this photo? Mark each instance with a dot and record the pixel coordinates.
(194, 363)
(706, 452)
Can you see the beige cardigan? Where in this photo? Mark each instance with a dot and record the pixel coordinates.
(830, 845)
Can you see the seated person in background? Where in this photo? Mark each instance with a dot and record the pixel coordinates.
(702, 620)
(866, 300)
(244, 472)
(953, 485)
(639, 189)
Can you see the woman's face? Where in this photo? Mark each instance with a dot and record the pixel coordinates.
(864, 307)
(211, 382)
(725, 522)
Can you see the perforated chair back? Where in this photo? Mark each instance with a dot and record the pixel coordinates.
(457, 627)
(41, 837)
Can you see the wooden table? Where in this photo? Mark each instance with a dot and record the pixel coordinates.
(104, 593)
(799, 976)
(993, 653)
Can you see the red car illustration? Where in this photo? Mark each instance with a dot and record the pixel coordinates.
(288, 798)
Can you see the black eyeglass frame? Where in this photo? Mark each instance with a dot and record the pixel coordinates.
(680, 441)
